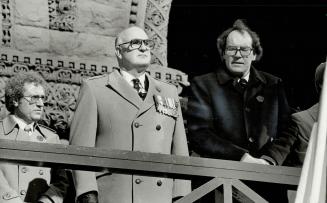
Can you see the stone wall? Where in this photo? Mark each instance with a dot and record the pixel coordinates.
(67, 40)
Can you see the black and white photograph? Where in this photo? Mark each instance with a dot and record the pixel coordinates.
(163, 101)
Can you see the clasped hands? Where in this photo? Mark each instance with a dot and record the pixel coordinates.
(250, 159)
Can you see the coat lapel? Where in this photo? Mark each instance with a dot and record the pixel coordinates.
(314, 112)
(149, 101)
(8, 127)
(119, 85)
(257, 82)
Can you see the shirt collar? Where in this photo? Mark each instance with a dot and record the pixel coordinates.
(247, 76)
(223, 76)
(129, 77)
(21, 123)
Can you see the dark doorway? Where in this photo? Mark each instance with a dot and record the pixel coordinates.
(293, 35)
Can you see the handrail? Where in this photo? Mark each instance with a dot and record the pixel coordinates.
(133, 162)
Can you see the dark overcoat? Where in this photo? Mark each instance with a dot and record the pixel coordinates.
(301, 125)
(225, 123)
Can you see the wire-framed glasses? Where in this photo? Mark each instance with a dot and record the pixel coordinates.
(35, 98)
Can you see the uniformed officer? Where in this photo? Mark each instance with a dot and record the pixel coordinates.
(129, 110)
(25, 96)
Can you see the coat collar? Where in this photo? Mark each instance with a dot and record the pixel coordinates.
(9, 124)
(119, 85)
(224, 76)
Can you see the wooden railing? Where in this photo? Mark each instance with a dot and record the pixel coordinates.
(223, 172)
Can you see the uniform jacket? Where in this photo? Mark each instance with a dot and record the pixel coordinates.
(111, 115)
(301, 125)
(21, 183)
(224, 123)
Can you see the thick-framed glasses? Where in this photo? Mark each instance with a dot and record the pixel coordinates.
(244, 51)
(137, 43)
(35, 98)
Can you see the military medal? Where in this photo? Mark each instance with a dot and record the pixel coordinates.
(165, 105)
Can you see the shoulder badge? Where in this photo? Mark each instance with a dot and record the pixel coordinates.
(97, 76)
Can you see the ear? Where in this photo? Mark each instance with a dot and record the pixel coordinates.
(254, 57)
(118, 52)
(15, 103)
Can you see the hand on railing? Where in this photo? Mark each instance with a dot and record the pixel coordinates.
(250, 159)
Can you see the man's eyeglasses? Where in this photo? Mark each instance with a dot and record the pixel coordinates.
(35, 98)
(137, 43)
(244, 51)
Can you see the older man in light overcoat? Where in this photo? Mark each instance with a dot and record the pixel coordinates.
(129, 110)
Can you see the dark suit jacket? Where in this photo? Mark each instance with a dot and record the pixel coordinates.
(301, 125)
(224, 124)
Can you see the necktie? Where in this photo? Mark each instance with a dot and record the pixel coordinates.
(138, 87)
(241, 85)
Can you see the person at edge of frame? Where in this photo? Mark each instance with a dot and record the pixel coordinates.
(25, 94)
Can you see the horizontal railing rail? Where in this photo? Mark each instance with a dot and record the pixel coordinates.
(133, 162)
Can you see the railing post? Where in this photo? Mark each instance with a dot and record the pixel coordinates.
(228, 193)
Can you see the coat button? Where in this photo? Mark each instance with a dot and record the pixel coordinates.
(251, 139)
(159, 182)
(22, 192)
(41, 172)
(6, 196)
(138, 181)
(24, 169)
(158, 127)
(136, 125)
(39, 138)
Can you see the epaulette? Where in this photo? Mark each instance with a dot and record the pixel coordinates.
(164, 81)
(47, 128)
(98, 76)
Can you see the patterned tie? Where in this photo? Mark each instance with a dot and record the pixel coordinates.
(243, 83)
(240, 85)
(139, 89)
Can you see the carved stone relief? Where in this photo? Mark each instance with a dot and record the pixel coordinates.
(76, 42)
(156, 26)
(64, 79)
(6, 23)
(62, 14)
